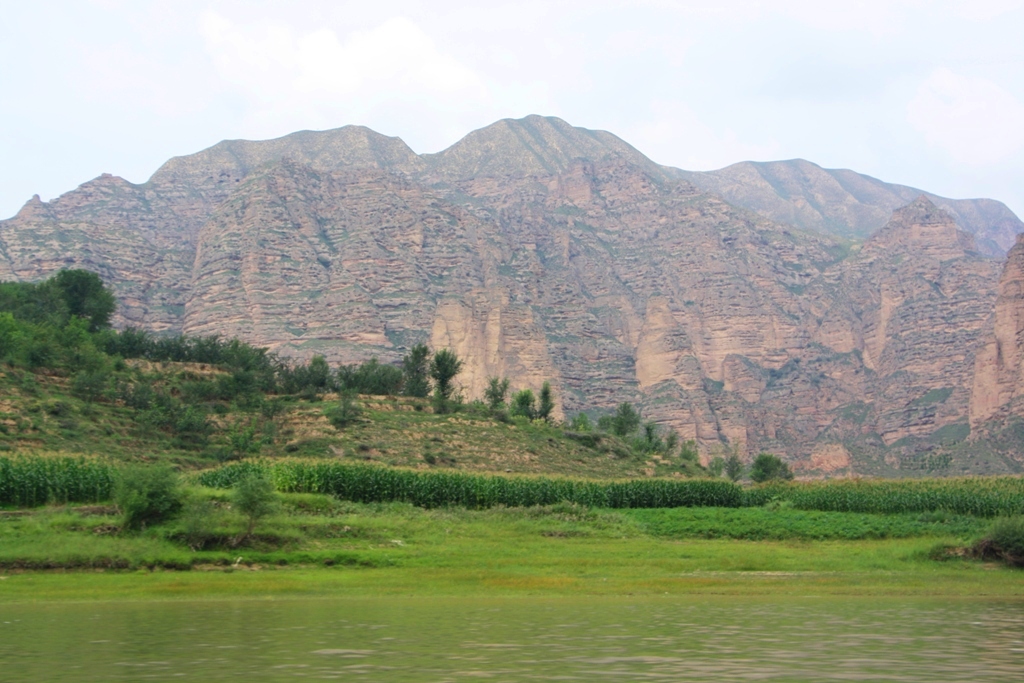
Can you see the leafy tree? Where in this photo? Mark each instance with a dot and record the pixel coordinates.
(415, 368)
(580, 423)
(717, 466)
(86, 297)
(688, 451)
(625, 421)
(372, 378)
(496, 392)
(547, 402)
(768, 467)
(256, 499)
(146, 495)
(524, 404)
(734, 467)
(243, 440)
(345, 412)
(444, 367)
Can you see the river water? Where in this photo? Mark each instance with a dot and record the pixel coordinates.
(516, 639)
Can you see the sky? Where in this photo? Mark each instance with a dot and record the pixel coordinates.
(928, 94)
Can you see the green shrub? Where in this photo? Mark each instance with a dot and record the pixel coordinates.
(768, 467)
(1004, 541)
(344, 413)
(523, 404)
(734, 467)
(146, 495)
(625, 421)
(254, 497)
(496, 392)
(415, 371)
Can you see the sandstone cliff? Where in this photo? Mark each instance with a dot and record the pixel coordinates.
(545, 252)
(845, 203)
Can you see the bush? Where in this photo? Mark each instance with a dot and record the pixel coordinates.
(523, 404)
(734, 467)
(254, 497)
(1004, 541)
(371, 378)
(198, 520)
(496, 392)
(146, 495)
(768, 467)
(415, 370)
(625, 421)
(717, 466)
(580, 423)
(344, 413)
(547, 402)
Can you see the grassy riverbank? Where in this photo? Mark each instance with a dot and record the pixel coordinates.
(317, 545)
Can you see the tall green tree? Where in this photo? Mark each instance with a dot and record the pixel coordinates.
(496, 392)
(415, 368)
(86, 297)
(547, 402)
(626, 420)
(524, 404)
(734, 467)
(444, 367)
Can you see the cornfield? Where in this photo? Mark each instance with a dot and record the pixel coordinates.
(31, 480)
(371, 483)
(979, 496)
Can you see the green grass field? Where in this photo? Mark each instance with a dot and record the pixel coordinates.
(318, 545)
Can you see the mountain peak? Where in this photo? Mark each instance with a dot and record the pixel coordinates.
(327, 150)
(923, 227)
(534, 145)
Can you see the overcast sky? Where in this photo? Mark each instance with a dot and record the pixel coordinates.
(929, 94)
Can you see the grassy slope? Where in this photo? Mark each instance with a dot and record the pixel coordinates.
(399, 549)
(38, 414)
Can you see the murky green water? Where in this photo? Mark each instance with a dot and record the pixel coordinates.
(438, 640)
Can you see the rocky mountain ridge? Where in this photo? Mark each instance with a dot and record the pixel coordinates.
(545, 252)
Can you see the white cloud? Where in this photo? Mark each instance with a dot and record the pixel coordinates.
(974, 120)
(308, 79)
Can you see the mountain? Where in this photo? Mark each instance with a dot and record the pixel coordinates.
(845, 203)
(541, 251)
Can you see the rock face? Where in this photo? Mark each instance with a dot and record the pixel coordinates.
(999, 372)
(540, 251)
(845, 203)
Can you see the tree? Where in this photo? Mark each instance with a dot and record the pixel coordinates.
(443, 370)
(495, 393)
(414, 371)
(626, 420)
(734, 467)
(768, 467)
(86, 297)
(146, 495)
(524, 404)
(580, 423)
(547, 402)
(255, 498)
(716, 466)
(345, 412)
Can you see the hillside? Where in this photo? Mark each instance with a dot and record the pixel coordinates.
(543, 252)
(845, 203)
